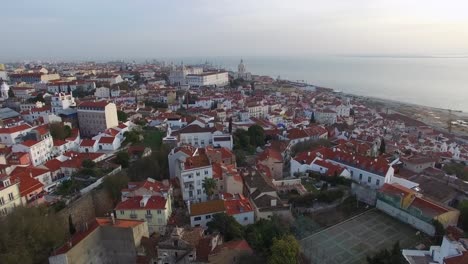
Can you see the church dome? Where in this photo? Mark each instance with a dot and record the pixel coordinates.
(241, 67)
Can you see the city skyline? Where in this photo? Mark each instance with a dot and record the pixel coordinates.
(146, 29)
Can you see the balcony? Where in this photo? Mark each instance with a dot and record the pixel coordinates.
(149, 216)
(133, 216)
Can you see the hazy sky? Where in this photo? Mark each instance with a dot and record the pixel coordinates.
(62, 29)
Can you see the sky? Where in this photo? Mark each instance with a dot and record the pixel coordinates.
(119, 29)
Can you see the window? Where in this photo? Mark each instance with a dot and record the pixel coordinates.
(377, 182)
(208, 217)
(122, 212)
(206, 172)
(10, 195)
(198, 173)
(159, 212)
(148, 212)
(198, 182)
(360, 176)
(369, 179)
(198, 218)
(198, 192)
(2, 201)
(245, 218)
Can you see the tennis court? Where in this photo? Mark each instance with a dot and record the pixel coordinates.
(349, 242)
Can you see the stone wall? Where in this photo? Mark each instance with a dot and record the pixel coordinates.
(89, 206)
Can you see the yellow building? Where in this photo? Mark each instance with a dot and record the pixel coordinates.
(9, 195)
(155, 210)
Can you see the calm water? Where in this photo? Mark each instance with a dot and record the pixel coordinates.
(437, 82)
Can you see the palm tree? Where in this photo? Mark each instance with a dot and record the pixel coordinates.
(209, 185)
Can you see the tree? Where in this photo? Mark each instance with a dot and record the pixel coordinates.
(209, 185)
(240, 157)
(11, 94)
(260, 235)
(59, 131)
(439, 231)
(89, 164)
(30, 234)
(256, 136)
(38, 98)
(230, 125)
(114, 184)
(132, 136)
(227, 226)
(122, 116)
(71, 226)
(463, 221)
(387, 257)
(312, 118)
(285, 250)
(155, 166)
(382, 147)
(123, 159)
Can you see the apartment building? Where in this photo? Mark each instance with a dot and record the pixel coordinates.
(9, 195)
(95, 117)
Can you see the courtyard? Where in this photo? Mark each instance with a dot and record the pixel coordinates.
(349, 242)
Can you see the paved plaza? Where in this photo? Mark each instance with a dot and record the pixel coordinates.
(351, 241)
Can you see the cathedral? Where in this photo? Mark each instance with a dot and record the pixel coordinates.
(242, 72)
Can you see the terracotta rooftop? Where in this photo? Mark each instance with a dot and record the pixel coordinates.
(135, 203)
(197, 161)
(91, 104)
(209, 207)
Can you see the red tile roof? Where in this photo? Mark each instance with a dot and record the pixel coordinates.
(234, 245)
(106, 140)
(58, 142)
(93, 225)
(91, 104)
(133, 203)
(149, 184)
(209, 207)
(270, 153)
(87, 143)
(29, 143)
(27, 183)
(238, 206)
(9, 130)
(32, 171)
(461, 259)
(332, 169)
(53, 165)
(42, 130)
(197, 161)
